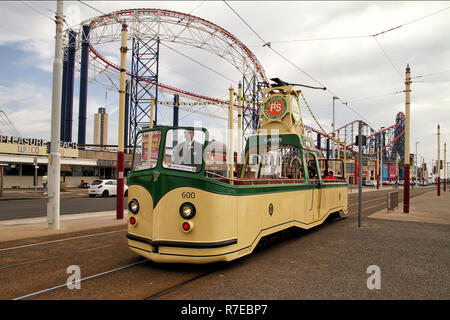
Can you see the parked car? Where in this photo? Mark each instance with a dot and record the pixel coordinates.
(105, 188)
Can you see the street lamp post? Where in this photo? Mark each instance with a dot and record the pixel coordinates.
(407, 129)
(54, 164)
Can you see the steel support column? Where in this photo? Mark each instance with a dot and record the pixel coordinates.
(82, 113)
(69, 88)
(144, 85)
(62, 131)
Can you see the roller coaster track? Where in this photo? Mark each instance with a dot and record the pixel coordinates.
(171, 27)
(393, 138)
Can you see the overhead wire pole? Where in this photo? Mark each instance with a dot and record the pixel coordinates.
(445, 165)
(54, 166)
(359, 173)
(120, 149)
(438, 164)
(407, 128)
(230, 137)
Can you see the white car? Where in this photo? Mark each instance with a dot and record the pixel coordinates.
(105, 188)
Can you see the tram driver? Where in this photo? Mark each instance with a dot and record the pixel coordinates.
(330, 176)
(188, 152)
(312, 172)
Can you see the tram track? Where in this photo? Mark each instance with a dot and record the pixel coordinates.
(107, 267)
(30, 295)
(60, 240)
(53, 257)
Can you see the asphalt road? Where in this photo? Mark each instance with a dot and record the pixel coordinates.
(32, 208)
(326, 262)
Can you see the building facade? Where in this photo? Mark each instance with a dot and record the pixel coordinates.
(24, 162)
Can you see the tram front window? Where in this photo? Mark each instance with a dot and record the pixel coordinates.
(184, 150)
(147, 150)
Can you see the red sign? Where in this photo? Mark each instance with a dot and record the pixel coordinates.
(392, 171)
(275, 107)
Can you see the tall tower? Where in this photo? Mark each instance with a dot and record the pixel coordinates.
(101, 127)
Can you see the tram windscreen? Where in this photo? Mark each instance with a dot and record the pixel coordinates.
(184, 150)
(147, 150)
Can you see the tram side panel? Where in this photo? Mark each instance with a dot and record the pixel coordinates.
(303, 207)
(261, 215)
(334, 199)
(249, 221)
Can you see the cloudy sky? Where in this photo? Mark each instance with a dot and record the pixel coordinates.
(326, 43)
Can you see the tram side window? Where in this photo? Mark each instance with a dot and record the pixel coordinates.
(292, 164)
(312, 167)
(332, 170)
(146, 151)
(252, 167)
(215, 159)
(270, 162)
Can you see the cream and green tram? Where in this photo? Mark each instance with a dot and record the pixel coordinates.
(184, 207)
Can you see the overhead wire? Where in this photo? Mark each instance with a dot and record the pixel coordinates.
(363, 36)
(430, 74)
(190, 12)
(201, 64)
(245, 22)
(294, 65)
(367, 36)
(40, 6)
(36, 10)
(387, 56)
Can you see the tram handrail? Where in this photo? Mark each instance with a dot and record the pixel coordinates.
(258, 181)
(268, 181)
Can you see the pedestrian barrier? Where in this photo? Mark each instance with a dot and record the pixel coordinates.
(392, 200)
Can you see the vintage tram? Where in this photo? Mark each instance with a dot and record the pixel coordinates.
(182, 208)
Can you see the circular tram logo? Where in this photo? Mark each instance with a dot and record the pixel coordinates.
(275, 107)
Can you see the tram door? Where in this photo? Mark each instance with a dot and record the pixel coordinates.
(316, 192)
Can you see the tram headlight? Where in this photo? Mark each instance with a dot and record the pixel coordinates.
(187, 210)
(133, 206)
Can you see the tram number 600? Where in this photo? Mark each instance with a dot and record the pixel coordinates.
(189, 195)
